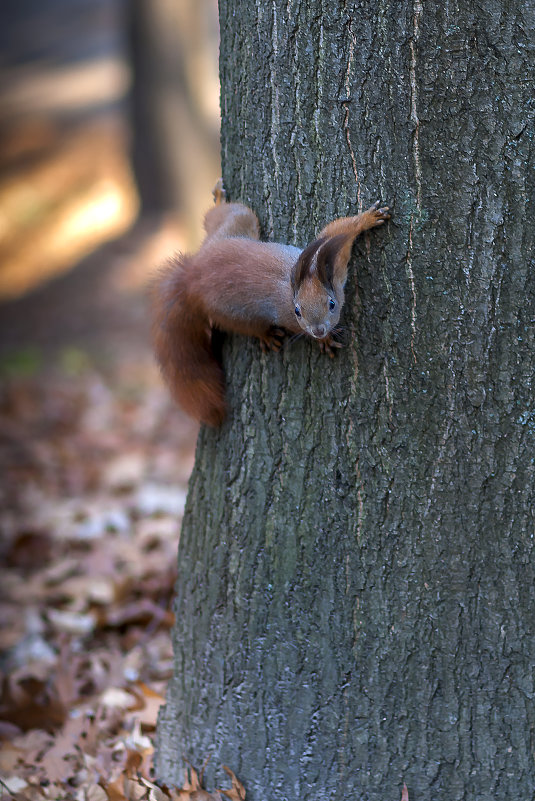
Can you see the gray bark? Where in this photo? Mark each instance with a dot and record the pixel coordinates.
(357, 587)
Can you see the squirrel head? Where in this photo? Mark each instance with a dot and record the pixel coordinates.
(318, 279)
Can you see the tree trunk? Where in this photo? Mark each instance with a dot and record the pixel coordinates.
(357, 584)
(175, 133)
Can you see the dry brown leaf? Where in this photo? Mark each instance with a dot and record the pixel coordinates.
(237, 791)
(133, 762)
(120, 699)
(28, 550)
(115, 789)
(10, 756)
(134, 790)
(33, 743)
(8, 731)
(149, 703)
(192, 789)
(56, 767)
(125, 472)
(65, 681)
(94, 792)
(84, 590)
(137, 741)
(57, 760)
(192, 781)
(141, 611)
(71, 622)
(105, 668)
(13, 784)
(29, 701)
(155, 793)
(19, 796)
(57, 573)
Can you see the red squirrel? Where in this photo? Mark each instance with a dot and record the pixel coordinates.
(237, 283)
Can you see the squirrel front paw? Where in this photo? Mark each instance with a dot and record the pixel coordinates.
(378, 215)
(272, 340)
(327, 345)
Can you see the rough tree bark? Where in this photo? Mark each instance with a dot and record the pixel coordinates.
(357, 584)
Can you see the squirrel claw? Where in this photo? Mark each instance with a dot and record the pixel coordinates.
(272, 340)
(379, 215)
(327, 345)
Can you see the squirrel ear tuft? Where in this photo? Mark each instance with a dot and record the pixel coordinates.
(302, 269)
(326, 260)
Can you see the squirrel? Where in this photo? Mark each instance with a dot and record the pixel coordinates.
(238, 284)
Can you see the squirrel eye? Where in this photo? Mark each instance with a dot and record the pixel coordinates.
(297, 311)
(332, 304)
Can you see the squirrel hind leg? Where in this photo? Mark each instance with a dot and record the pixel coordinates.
(229, 220)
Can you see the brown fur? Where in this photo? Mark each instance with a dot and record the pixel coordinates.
(239, 284)
(182, 341)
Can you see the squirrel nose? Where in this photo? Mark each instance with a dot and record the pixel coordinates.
(319, 331)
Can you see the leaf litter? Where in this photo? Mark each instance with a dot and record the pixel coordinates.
(94, 467)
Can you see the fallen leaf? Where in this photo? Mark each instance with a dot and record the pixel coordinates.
(134, 790)
(237, 791)
(405, 793)
(13, 784)
(114, 789)
(57, 768)
(71, 622)
(10, 756)
(125, 472)
(142, 611)
(120, 699)
(138, 741)
(155, 793)
(149, 703)
(133, 763)
(30, 702)
(94, 792)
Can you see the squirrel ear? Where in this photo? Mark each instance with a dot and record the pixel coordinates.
(302, 269)
(326, 264)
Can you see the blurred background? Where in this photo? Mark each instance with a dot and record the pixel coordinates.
(109, 115)
(109, 148)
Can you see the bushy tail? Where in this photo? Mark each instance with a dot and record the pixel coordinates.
(182, 341)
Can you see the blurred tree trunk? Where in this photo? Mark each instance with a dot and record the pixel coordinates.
(357, 584)
(174, 115)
